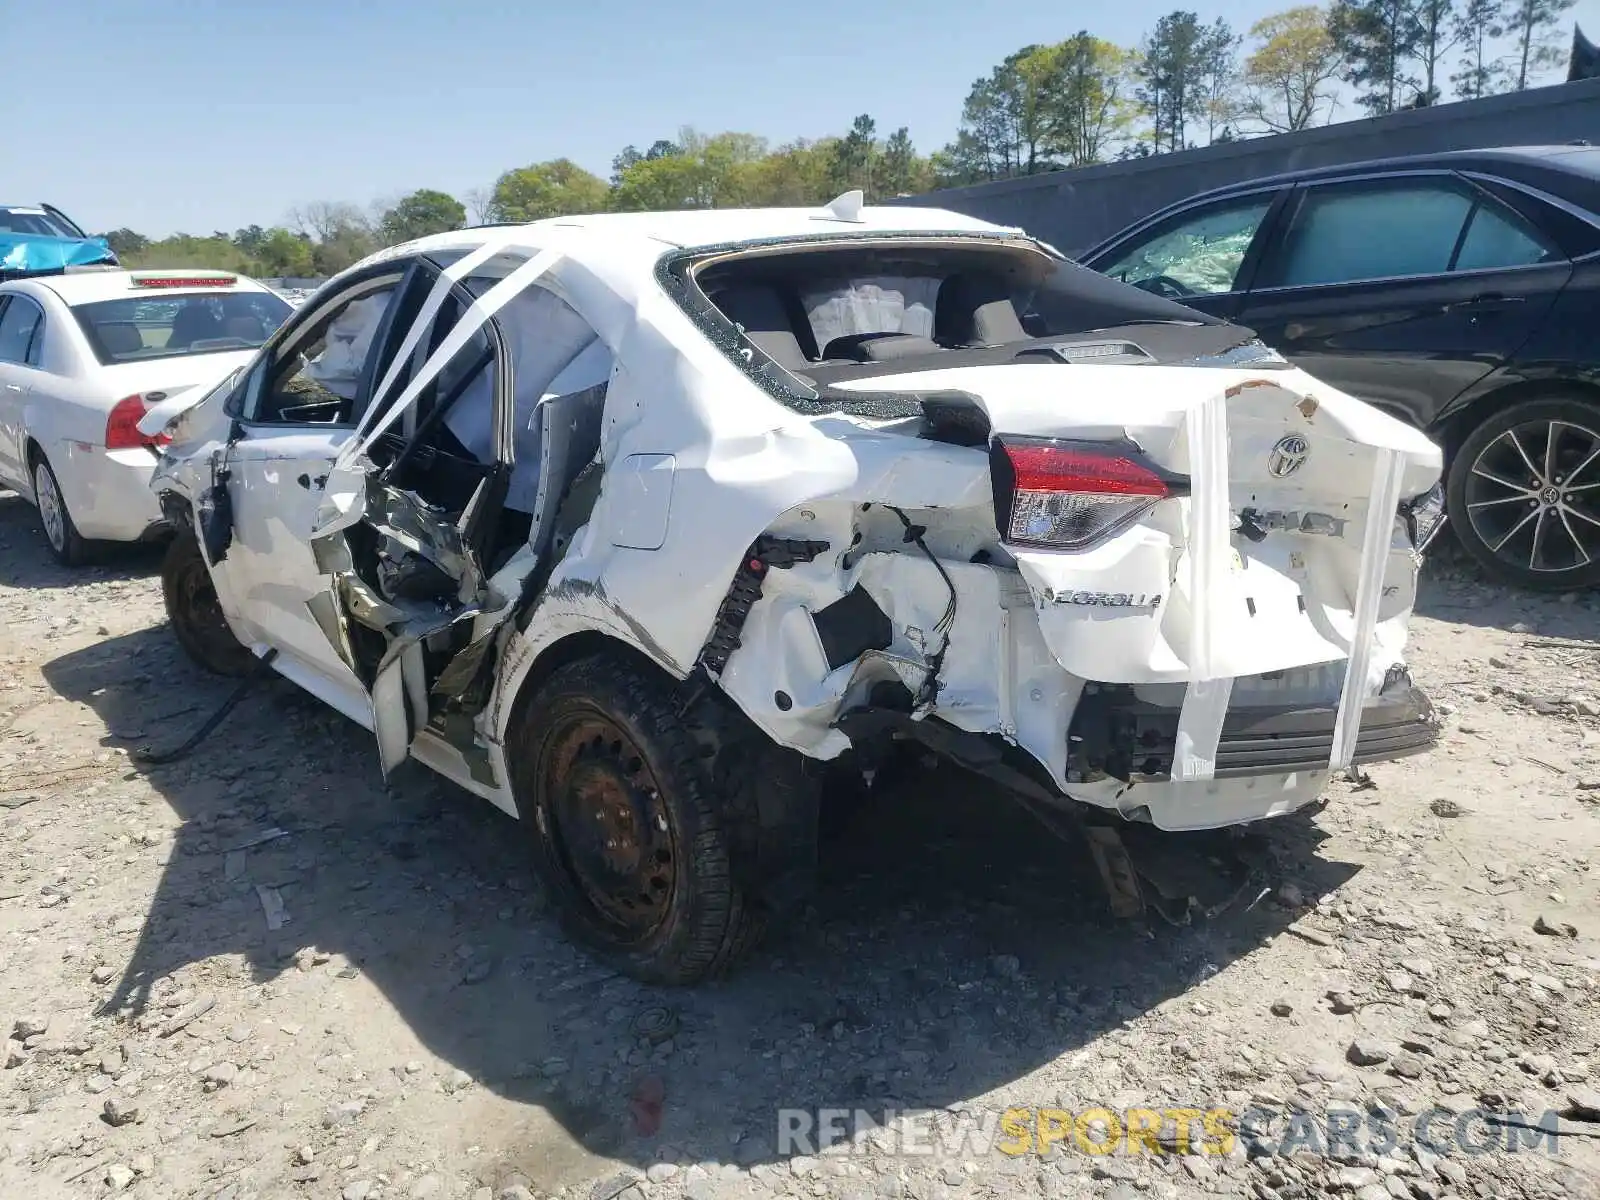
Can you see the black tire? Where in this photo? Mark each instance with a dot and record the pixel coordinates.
(1507, 509)
(195, 614)
(658, 885)
(60, 532)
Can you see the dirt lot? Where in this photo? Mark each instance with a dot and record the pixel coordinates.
(416, 1026)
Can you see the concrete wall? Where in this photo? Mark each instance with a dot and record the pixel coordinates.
(1074, 209)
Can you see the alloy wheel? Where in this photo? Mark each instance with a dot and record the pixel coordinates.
(1533, 496)
(51, 511)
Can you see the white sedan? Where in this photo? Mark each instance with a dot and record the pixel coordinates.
(82, 356)
(654, 529)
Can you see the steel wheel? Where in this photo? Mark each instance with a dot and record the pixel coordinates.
(610, 827)
(634, 809)
(1526, 494)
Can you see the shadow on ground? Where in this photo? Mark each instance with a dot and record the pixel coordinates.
(953, 949)
(1454, 588)
(25, 560)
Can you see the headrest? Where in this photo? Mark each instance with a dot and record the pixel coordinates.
(120, 337)
(761, 312)
(878, 347)
(976, 310)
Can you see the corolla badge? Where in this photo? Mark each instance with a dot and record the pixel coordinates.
(1288, 456)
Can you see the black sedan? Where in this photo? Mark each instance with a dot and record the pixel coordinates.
(1459, 291)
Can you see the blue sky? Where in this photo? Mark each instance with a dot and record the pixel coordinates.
(213, 114)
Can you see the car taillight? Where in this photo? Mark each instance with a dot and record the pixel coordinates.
(1068, 495)
(122, 426)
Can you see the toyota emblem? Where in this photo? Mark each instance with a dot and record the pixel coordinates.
(1287, 456)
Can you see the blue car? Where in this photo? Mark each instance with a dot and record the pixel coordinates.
(41, 240)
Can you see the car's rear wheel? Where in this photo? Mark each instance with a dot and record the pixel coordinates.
(620, 802)
(60, 533)
(1524, 494)
(195, 613)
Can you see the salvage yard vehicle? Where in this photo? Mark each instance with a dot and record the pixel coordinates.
(83, 353)
(649, 527)
(41, 239)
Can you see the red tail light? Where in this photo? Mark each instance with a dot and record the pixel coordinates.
(1068, 495)
(122, 426)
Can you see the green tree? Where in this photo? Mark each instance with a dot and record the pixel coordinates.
(557, 188)
(630, 156)
(1479, 25)
(249, 239)
(663, 184)
(724, 170)
(1217, 77)
(1437, 34)
(185, 250)
(421, 213)
(281, 252)
(855, 158)
(984, 148)
(1097, 110)
(1173, 71)
(1532, 25)
(125, 242)
(1014, 121)
(1289, 77)
(900, 171)
(1378, 39)
(795, 175)
(726, 166)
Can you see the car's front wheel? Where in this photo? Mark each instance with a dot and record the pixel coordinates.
(195, 612)
(60, 533)
(621, 804)
(1524, 494)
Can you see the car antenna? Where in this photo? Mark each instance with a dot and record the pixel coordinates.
(846, 207)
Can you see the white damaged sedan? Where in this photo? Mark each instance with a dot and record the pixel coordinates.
(648, 527)
(84, 353)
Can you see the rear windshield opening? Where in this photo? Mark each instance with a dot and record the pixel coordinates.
(825, 312)
(145, 327)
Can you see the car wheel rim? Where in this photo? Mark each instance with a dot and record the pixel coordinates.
(1533, 496)
(50, 509)
(609, 827)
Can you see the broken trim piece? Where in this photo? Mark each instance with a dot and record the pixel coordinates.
(1383, 501)
(1211, 591)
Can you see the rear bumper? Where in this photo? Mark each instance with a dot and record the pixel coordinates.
(1114, 734)
(108, 491)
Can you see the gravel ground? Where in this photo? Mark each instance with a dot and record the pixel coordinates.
(260, 973)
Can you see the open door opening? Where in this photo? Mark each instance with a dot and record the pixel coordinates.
(450, 504)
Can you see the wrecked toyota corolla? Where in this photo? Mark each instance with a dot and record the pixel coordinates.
(651, 528)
